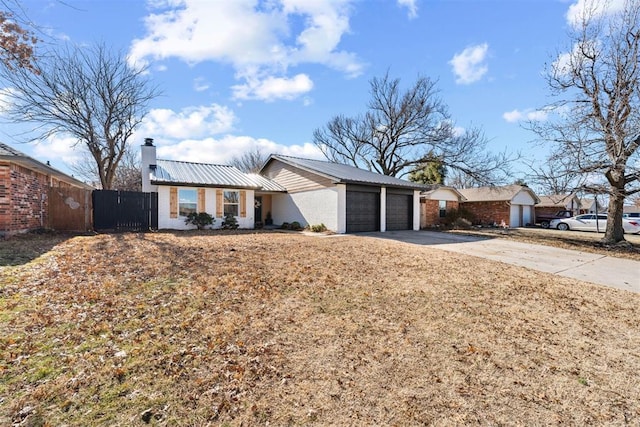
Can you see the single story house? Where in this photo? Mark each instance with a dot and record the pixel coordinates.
(287, 189)
(344, 198)
(34, 195)
(591, 206)
(436, 203)
(553, 203)
(508, 206)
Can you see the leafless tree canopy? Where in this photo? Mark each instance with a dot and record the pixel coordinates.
(556, 176)
(91, 94)
(595, 123)
(251, 161)
(401, 130)
(127, 176)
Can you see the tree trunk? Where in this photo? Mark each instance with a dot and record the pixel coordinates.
(614, 232)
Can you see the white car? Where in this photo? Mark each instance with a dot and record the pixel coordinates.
(588, 222)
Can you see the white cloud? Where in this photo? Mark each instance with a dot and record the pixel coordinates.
(272, 88)
(594, 8)
(57, 149)
(411, 6)
(259, 39)
(200, 84)
(190, 122)
(222, 150)
(532, 115)
(470, 65)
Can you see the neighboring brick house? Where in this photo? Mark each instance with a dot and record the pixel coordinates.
(436, 203)
(25, 185)
(553, 203)
(508, 206)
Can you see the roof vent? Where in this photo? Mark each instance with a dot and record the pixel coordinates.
(148, 142)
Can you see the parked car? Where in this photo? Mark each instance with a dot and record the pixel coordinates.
(545, 219)
(588, 222)
(631, 215)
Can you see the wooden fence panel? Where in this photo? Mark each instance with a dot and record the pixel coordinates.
(69, 209)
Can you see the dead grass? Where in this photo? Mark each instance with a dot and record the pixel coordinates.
(285, 329)
(575, 240)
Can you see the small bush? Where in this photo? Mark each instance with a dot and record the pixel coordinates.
(458, 218)
(318, 228)
(200, 220)
(285, 226)
(295, 225)
(230, 222)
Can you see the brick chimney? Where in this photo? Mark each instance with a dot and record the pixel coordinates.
(148, 165)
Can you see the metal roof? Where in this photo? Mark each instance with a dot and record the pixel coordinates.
(266, 184)
(11, 154)
(204, 174)
(340, 173)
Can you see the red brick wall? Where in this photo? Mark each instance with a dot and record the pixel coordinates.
(488, 212)
(430, 212)
(23, 199)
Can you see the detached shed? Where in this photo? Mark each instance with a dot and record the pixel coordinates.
(510, 205)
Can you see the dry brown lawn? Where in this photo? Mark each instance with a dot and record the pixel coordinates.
(284, 329)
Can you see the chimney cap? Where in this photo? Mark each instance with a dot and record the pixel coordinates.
(148, 142)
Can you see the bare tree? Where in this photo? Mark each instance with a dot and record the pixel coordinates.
(597, 116)
(92, 94)
(401, 130)
(17, 42)
(250, 161)
(127, 176)
(556, 175)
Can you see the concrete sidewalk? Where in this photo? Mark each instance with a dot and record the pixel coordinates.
(599, 269)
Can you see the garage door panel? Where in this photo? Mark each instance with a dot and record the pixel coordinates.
(363, 211)
(399, 212)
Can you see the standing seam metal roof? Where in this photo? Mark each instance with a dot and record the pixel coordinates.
(346, 173)
(177, 172)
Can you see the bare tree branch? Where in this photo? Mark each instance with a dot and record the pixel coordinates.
(251, 161)
(402, 130)
(596, 126)
(92, 94)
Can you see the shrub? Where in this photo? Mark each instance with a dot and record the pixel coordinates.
(318, 228)
(200, 219)
(285, 226)
(295, 225)
(230, 222)
(458, 218)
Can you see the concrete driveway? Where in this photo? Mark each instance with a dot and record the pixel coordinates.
(599, 269)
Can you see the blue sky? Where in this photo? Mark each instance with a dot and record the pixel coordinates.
(240, 74)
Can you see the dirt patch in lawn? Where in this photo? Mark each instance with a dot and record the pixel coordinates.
(257, 328)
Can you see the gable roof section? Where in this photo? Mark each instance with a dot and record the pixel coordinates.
(12, 155)
(344, 174)
(200, 174)
(435, 187)
(495, 194)
(557, 200)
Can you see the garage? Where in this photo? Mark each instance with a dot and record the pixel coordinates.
(363, 209)
(399, 210)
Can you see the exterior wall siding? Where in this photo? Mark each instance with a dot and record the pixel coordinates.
(296, 179)
(164, 206)
(308, 208)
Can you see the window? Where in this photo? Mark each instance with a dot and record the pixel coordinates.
(442, 204)
(231, 202)
(187, 202)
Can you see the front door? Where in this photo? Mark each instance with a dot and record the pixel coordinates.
(257, 211)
